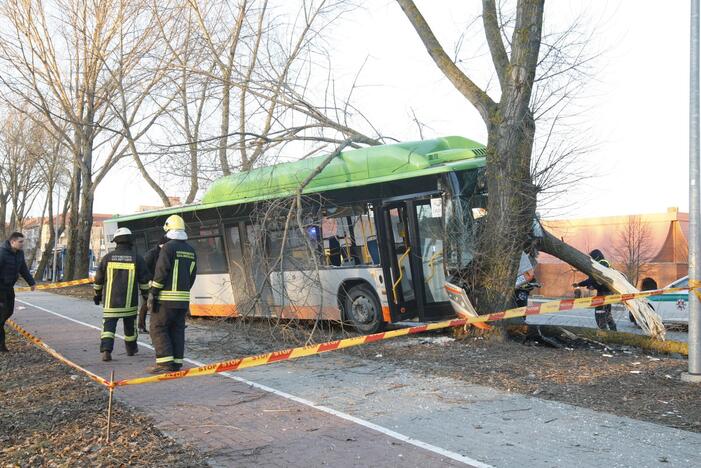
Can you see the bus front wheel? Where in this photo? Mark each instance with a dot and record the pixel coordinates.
(363, 310)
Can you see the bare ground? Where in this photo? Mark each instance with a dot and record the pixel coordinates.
(50, 416)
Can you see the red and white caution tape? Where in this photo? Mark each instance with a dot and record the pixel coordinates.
(293, 353)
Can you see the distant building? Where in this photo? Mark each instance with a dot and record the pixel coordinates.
(36, 237)
(659, 240)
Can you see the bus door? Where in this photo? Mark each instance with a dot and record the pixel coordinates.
(399, 265)
(413, 258)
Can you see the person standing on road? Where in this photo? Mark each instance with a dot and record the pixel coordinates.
(150, 257)
(602, 314)
(119, 278)
(169, 298)
(12, 266)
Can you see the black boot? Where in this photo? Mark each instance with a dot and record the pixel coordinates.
(162, 369)
(3, 348)
(132, 348)
(106, 356)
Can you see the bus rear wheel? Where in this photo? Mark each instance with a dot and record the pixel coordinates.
(363, 310)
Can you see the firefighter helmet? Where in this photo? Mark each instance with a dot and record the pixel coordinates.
(122, 236)
(174, 223)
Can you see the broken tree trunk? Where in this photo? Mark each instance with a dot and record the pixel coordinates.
(644, 314)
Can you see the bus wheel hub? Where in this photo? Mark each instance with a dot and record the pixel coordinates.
(363, 309)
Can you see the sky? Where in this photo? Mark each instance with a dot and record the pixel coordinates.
(633, 110)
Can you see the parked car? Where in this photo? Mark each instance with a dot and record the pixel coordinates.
(673, 307)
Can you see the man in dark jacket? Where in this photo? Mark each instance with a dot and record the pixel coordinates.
(150, 257)
(602, 314)
(12, 266)
(169, 297)
(119, 278)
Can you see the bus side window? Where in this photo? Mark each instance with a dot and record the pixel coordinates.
(210, 255)
(349, 237)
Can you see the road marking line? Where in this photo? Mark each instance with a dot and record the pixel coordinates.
(388, 432)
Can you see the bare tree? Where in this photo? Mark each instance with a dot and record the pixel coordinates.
(633, 248)
(510, 126)
(22, 145)
(239, 112)
(63, 58)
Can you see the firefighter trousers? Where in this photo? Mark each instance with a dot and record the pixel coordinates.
(142, 316)
(167, 330)
(109, 328)
(604, 318)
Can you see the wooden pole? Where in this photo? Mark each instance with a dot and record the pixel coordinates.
(109, 408)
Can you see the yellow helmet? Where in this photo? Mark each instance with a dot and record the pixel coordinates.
(174, 223)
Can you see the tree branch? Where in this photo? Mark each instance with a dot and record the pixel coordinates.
(473, 93)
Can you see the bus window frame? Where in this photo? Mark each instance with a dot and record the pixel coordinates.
(343, 217)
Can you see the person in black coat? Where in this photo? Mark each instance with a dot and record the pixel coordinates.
(12, 266)
(602, 314)
(150, 257)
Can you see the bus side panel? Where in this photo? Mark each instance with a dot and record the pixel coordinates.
(211, 296)
(304, 295)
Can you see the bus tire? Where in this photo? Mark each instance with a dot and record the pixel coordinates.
(363, 310)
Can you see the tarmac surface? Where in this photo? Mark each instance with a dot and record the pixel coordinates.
(346, 411)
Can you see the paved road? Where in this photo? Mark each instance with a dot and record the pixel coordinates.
(342, 410)
(585, 318)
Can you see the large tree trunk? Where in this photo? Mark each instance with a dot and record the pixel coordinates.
(37, 247)
(49, 245)
(3, 215)
(511, 209)
(85, 221)
(72, 237)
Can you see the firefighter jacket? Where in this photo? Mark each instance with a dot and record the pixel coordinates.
(119, 278)
(174, 275)
(150, 257)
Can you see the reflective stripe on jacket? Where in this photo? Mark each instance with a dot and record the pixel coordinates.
(175, 273)
(119, 278)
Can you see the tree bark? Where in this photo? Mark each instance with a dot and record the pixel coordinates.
(568, 254)
(72, 237)
(49, 245)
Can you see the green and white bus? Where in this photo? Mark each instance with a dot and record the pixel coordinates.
(387, 224)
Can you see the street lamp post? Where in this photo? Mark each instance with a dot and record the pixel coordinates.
(694, 374)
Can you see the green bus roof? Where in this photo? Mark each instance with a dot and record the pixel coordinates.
(353, 168)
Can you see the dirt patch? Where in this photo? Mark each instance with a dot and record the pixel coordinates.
(49, 416)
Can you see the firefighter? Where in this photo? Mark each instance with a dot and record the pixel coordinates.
(150, 257)
(122, 274)
(169, 297)
(602, 314)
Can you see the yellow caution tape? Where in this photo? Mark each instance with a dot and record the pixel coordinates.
(63, 284)
(550, 307)
(41, 345)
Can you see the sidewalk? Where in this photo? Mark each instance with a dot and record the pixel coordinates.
(341, 410)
